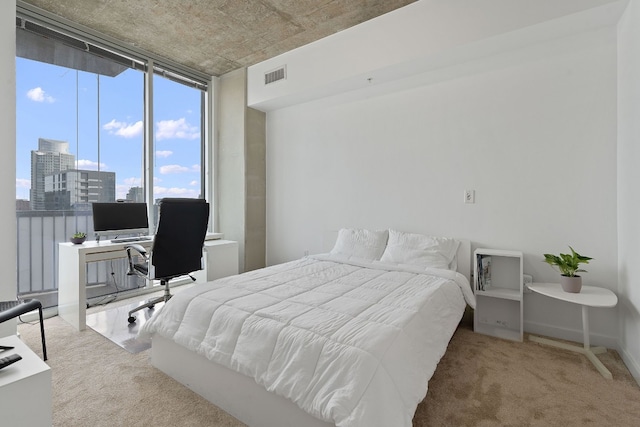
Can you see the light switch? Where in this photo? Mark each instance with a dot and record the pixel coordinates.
(469, 196)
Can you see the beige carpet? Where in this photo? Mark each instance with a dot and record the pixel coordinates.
(481, 381)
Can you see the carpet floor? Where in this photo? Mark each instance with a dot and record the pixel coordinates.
(480, 381)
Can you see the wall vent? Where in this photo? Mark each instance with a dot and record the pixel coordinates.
(275, 75)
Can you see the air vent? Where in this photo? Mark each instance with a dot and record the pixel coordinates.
(275, 75)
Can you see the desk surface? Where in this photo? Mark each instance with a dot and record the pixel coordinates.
(91, 246)
(591, 296)
(102, 245)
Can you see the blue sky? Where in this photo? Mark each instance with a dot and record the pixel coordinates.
(59, 103)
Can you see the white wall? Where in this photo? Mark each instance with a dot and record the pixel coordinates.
(628, 179)
(425, 35)
(532, 131)
(8, 158)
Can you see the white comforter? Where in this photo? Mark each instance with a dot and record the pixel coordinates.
(350, 343)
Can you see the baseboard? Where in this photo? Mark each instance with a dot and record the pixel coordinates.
(574, 335)
(631, 364)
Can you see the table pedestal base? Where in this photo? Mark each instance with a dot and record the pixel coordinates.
(590, 352)
(590, 296)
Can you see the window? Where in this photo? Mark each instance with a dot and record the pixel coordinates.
(81, 139)
(178, 140)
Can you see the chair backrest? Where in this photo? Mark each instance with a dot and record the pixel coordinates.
(179, 239)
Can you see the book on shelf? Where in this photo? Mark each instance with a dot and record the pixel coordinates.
(484, 272)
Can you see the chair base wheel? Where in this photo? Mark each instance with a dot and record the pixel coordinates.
(132, 319)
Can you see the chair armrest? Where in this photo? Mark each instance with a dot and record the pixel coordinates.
(13, 309)
(138, 248)
(137, 269)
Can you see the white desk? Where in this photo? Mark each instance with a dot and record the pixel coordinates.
(589, 296)
(25, 388)
(72, 271)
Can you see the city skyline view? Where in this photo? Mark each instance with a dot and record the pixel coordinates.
(80, 139)
(101, 118)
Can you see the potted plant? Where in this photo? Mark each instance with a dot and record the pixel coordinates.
(568, 264)
(78, 238)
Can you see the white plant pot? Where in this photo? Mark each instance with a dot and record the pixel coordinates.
(571, 284)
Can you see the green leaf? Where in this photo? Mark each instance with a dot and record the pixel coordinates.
(567, 263)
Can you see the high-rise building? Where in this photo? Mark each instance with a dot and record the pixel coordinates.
(135, 194)
(52, 156)
(77, 189)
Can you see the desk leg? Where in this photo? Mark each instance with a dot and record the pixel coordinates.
(586, 349)
(72, 292)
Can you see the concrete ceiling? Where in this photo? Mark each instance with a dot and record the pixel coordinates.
(218, 36)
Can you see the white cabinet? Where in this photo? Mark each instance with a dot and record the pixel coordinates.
(222, 258)
(498, 284)
(25, 388)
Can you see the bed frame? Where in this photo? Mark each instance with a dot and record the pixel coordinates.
(238, 394)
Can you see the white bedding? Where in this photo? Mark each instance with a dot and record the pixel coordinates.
(352, 343)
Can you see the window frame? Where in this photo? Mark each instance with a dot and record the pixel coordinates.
(150, 64)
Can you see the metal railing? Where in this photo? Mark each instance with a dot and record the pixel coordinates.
(38, 235)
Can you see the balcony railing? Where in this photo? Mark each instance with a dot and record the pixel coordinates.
(38, 235)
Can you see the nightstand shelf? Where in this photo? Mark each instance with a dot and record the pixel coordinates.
(504, 293)
(498, 286)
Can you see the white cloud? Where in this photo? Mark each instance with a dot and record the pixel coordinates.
(37, 94)
(121, 191)
(176, 129)
(125, 130)
(173, 169)
(113, 125)
(169, 169)
(133, 182)
(23, 183)
(194, 183)
(164, 153)
(23, 186)
(159, 192)
(89, 165)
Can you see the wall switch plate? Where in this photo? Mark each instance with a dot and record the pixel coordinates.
(469, 196)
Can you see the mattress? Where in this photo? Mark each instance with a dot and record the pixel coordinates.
(352, 343)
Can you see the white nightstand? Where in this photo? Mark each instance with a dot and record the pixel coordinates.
(499, 299)
(25, 387)
(589, 296)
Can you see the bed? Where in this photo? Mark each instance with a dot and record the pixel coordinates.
(347, 338)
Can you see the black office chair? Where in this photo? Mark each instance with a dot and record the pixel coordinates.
(177, 245)
(13, 309)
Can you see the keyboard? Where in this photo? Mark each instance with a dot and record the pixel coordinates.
(132, 239)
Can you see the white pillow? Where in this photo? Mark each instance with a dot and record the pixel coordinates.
(418, 249)
(362, 244)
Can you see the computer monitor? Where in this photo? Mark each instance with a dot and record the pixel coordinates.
(115, 218)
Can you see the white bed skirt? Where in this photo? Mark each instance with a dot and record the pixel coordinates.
(236, 394)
